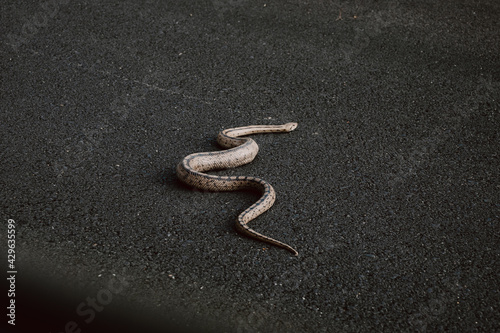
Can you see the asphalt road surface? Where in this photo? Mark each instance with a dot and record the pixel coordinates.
(389, 187)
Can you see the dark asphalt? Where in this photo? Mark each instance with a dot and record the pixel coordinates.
(389, 188)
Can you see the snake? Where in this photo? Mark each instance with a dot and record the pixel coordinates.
(239, 150)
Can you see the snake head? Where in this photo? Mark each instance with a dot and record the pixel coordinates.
(290, 126)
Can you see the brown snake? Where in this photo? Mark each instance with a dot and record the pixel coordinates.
(239, 151)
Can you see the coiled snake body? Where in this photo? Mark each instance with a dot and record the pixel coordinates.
(239, 151)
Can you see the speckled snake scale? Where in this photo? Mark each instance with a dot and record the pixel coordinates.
(191, 170)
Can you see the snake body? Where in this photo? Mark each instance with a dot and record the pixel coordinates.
(240, 151)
